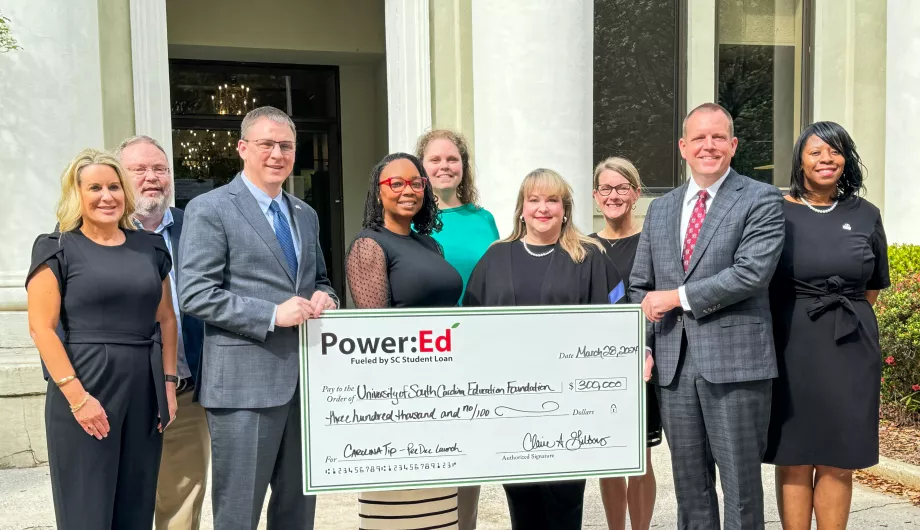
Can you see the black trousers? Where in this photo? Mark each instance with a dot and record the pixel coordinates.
(109, 483)
(546, 506)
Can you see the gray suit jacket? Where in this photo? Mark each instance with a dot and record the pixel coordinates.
(233, 275)
(729, 331)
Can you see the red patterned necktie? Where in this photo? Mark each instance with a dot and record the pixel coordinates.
(693, 227)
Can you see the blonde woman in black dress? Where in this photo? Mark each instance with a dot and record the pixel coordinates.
(391, 265)
(545, 261)
(616, 190)
(112, 380)
(824, 418)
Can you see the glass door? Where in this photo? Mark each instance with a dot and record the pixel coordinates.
(209, 100)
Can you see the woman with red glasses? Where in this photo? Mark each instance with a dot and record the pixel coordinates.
(392, 265)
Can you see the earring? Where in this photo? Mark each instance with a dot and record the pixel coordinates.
(522, 218)
(634, 206)
(565, 219)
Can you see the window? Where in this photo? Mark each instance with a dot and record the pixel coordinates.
(638, 86)
(762, 47)
(209, 101)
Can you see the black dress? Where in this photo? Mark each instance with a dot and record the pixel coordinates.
(109, 300)
(509, 275)
(622, 254)
(385, 269)
(826, 398)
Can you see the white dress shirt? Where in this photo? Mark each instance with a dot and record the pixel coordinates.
(686, 211)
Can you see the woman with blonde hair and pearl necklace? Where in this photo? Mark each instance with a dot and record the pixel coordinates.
(545, 261)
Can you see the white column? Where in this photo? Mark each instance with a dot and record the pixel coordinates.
(702, 40)
(902, 201)
(834, 62)
(850, 55)
(150, 64)
(533, 99)
(51, 107)
(408, 72)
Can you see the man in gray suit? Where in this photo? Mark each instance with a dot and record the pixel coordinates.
(702, 269)
(253, 271)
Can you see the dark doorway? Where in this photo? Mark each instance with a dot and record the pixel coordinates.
(209, 100)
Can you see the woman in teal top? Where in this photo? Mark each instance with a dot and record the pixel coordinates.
(468, 229)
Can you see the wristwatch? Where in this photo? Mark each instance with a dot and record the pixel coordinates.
(172, 379)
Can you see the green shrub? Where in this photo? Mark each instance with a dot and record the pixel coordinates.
(903, 260)
(898, 311)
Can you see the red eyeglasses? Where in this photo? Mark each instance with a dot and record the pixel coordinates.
(397, 184)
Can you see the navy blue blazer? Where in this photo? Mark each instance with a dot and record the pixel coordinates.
(192, 328)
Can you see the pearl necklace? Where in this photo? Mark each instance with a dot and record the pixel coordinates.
(829, 209)
(534, 254)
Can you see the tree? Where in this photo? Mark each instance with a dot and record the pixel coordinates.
(7, 42)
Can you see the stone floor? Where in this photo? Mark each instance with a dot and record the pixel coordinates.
(25, 503)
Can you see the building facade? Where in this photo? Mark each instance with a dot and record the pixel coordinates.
(532, 83)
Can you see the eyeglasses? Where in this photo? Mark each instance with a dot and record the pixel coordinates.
(622, 189)
(141, 171)
(397, 184)
(268, 146)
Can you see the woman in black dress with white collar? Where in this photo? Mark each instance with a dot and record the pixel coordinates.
(545, 261)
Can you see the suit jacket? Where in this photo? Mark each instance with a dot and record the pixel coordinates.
(729, 330)
(192, 328)
(233, 275)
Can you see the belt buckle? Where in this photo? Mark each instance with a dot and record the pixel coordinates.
(185, 384)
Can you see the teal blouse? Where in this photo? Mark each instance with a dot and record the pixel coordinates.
(468, 231)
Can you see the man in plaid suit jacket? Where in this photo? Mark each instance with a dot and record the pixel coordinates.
(702, 270)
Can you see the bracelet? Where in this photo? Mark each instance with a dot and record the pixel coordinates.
(65, 380)
(74, 408)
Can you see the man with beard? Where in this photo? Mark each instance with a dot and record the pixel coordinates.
(186, 443)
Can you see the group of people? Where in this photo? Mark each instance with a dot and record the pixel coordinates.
(169, 339)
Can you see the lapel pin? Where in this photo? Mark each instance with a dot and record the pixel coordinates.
(296, 207)
(846, 226)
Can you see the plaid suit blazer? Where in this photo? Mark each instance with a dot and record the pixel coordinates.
(729, 328)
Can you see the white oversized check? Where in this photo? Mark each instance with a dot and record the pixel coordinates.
(397, 399)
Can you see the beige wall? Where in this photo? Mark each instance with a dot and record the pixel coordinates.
(352, 26)
(850, 58)
(362, 145)
(759, 23)
(451, 45)
(117, 78)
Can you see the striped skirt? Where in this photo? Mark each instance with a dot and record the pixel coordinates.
(418, 509)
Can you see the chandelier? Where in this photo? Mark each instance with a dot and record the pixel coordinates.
(198, 150)
(232, 99)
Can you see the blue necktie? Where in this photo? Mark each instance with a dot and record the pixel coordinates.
(283, 233)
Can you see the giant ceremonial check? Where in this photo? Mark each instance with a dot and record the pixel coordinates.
(398, 399)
